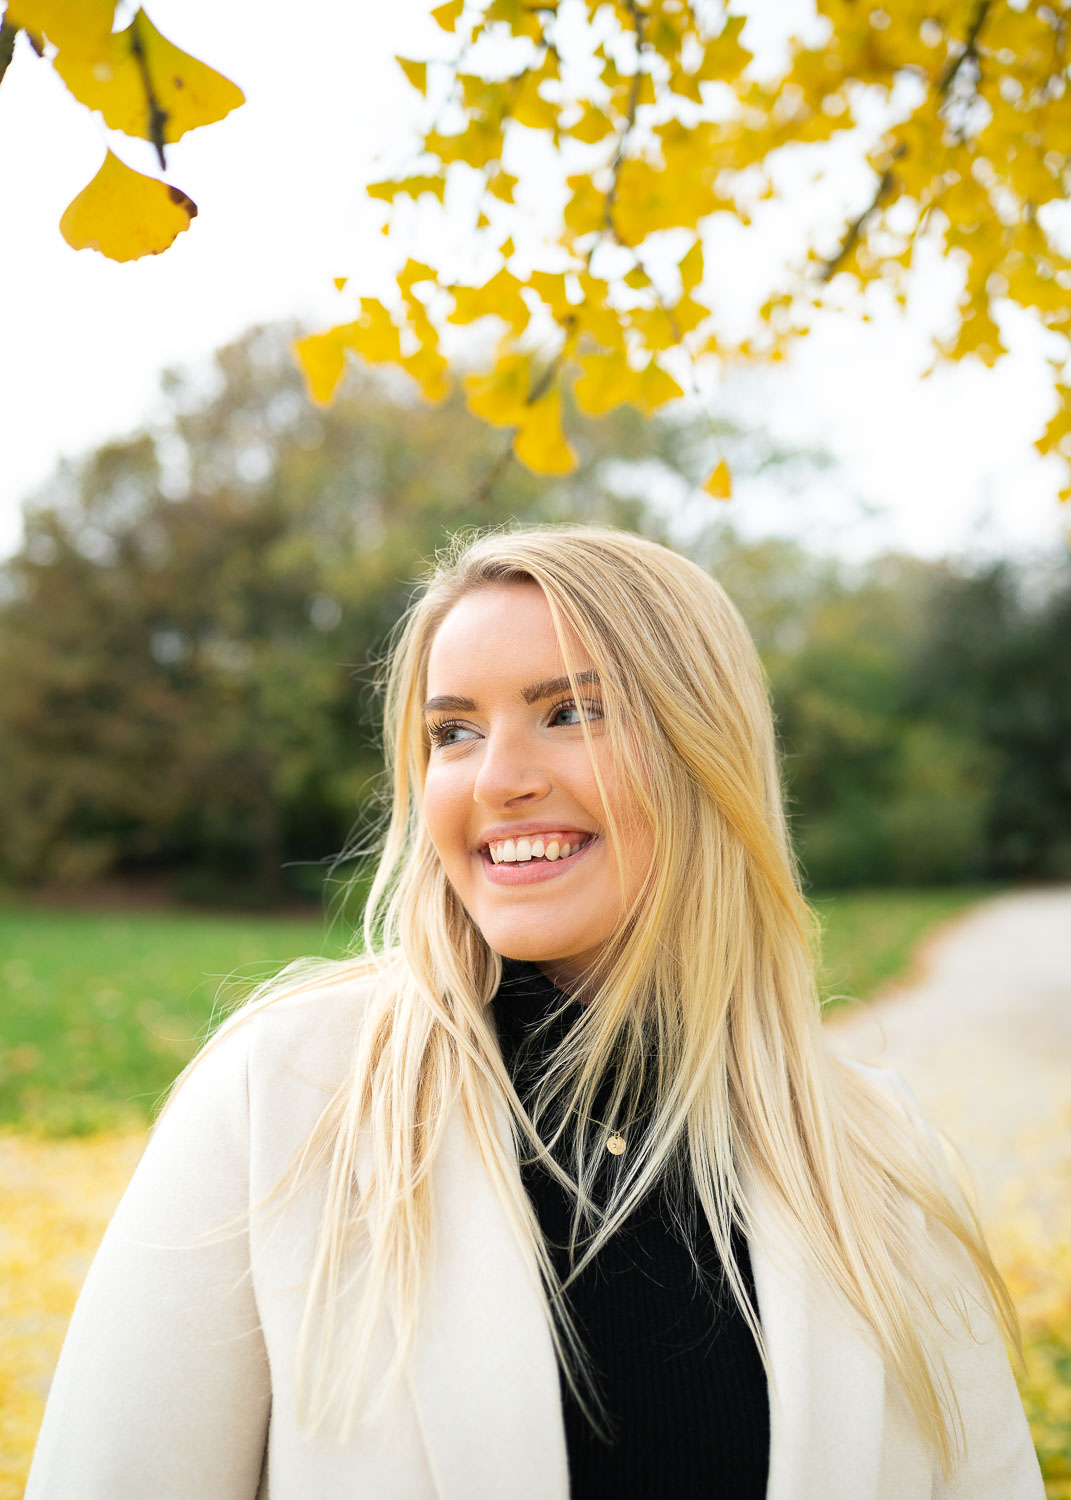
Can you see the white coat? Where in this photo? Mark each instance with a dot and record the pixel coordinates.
(176, 1380)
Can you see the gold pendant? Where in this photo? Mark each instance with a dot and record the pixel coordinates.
(616, 1144)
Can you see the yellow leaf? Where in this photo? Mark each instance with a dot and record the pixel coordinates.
(550, 286)
(321, 358)
(428, 369)
(637, 278)
(540, 443)
(593, 125)
(724, 57)
(414, 186)
(655, 387)
(447, 15)
(374, 336)
(186, 93)
(501, 396)
(720, 482)
(416, 72)
(70, 25)
(691, 267)
(124, 214)
(607, 381)
(340, 282)
(499, 298)
(413, 271)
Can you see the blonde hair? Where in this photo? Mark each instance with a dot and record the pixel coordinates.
(705, 1001)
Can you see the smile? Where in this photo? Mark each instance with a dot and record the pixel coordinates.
(550, 846)
(529, 867)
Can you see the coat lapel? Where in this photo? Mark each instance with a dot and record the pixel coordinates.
(828, 1394)
(485, 1375)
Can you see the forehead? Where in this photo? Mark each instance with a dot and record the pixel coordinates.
(500, 632)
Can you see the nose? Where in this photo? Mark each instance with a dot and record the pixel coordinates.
(511, 773)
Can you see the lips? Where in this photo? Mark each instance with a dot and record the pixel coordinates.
(534, 871)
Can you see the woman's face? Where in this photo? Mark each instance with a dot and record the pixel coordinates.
(510, 798)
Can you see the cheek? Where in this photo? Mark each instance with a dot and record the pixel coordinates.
(440, 812)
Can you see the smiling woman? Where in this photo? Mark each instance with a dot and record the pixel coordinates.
(555, 1192)
(514, 791)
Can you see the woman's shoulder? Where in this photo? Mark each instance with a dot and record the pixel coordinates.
(296, 1039)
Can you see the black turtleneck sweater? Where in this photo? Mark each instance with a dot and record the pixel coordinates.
(676, 1365)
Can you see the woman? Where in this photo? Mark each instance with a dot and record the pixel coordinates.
(555, 1192)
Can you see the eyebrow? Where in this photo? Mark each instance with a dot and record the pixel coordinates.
(536, 692)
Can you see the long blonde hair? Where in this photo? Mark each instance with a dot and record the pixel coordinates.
(705, 1001)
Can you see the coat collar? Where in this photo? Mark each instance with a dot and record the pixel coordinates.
(485, 1377)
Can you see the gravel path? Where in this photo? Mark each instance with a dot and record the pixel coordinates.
(984, 1039)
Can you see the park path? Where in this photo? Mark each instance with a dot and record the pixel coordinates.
(982, 1034)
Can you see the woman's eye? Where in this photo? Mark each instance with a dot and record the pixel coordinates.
(442, 735)
(589, 711)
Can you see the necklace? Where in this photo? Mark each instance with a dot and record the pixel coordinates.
(616, 1142)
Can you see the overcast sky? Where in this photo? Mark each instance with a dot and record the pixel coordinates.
(936, 465)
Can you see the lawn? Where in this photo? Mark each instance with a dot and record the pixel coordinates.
(100, 1010)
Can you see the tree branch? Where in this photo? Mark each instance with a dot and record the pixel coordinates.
(855, 228)
(630, 121)
(8, 33)
(157, 116)
(970, 48)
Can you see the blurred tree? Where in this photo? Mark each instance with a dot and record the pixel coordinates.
(997, 669)
(881, 790)
(181, 630)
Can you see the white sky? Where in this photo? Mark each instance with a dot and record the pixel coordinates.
(937, 465)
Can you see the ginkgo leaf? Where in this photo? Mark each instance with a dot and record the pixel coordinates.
(428, 368)
(691, 267)
(340, 283)
(423, 182)
(500, 298)
(540, 443)
(185, 93)
(654, 387)
(412, 272)
(719, 483)
(82, 26)
(447, 15)
(321, 358)
(501, 396)
(606, 382)
(416, 72)
(124, 214)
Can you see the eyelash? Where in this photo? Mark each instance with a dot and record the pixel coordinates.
(437, 732)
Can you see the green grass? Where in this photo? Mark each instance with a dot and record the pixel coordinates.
(100, 1010)
(871, 937)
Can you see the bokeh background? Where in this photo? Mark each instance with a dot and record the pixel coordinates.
(200, 569)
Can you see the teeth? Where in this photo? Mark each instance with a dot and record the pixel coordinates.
(523, 850)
